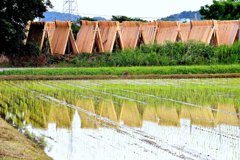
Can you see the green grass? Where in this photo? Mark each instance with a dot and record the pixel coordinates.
(159, 70)
(17, 97)
(22, 102)
(168, 54)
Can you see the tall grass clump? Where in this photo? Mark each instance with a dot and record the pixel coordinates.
(228, 54)
(190, 53)
(168, 54)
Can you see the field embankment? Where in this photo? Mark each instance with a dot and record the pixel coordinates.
(167, 54)
(13, 145)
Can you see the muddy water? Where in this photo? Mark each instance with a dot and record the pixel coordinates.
(106, 128)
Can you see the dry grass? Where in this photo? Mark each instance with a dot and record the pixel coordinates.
(14, 145)
(3, 59)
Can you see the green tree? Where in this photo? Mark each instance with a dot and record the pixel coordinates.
(87, 19)
(221, 10)
(125, 18)
(14, 15)
(75, 29)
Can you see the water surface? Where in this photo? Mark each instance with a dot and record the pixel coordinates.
(128, 119)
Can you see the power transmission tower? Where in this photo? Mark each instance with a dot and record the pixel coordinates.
(71, 8)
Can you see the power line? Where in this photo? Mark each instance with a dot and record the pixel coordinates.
(70, 7)
(83, 14)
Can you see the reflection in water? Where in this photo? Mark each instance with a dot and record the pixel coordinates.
(168, 116)
(104, 128)
(130, 114)
(107, 110)
(61, 115)
(198, 128)
(184, 112)
(149, 114)
(86, 121)
(227, 115)
(37, 116)
(105, 143)
(202, 117)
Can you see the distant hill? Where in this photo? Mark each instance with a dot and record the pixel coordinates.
(184, 16)
(52, 16)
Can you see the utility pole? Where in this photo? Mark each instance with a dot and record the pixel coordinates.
(70, 7)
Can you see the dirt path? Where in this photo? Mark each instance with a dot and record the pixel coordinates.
(8, 69)
(14, 145)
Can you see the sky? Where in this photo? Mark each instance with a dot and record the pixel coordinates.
(133, 8)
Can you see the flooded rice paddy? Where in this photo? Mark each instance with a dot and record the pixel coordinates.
(128, 119)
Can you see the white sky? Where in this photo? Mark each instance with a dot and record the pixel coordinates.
(133, 8)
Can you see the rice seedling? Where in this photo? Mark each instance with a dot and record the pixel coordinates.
(125, 105)
(121, 71)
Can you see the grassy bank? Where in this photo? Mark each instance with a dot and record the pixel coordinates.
(16, 146)
(169, 54)
(125, 71)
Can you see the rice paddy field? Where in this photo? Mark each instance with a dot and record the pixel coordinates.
(128, 119)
